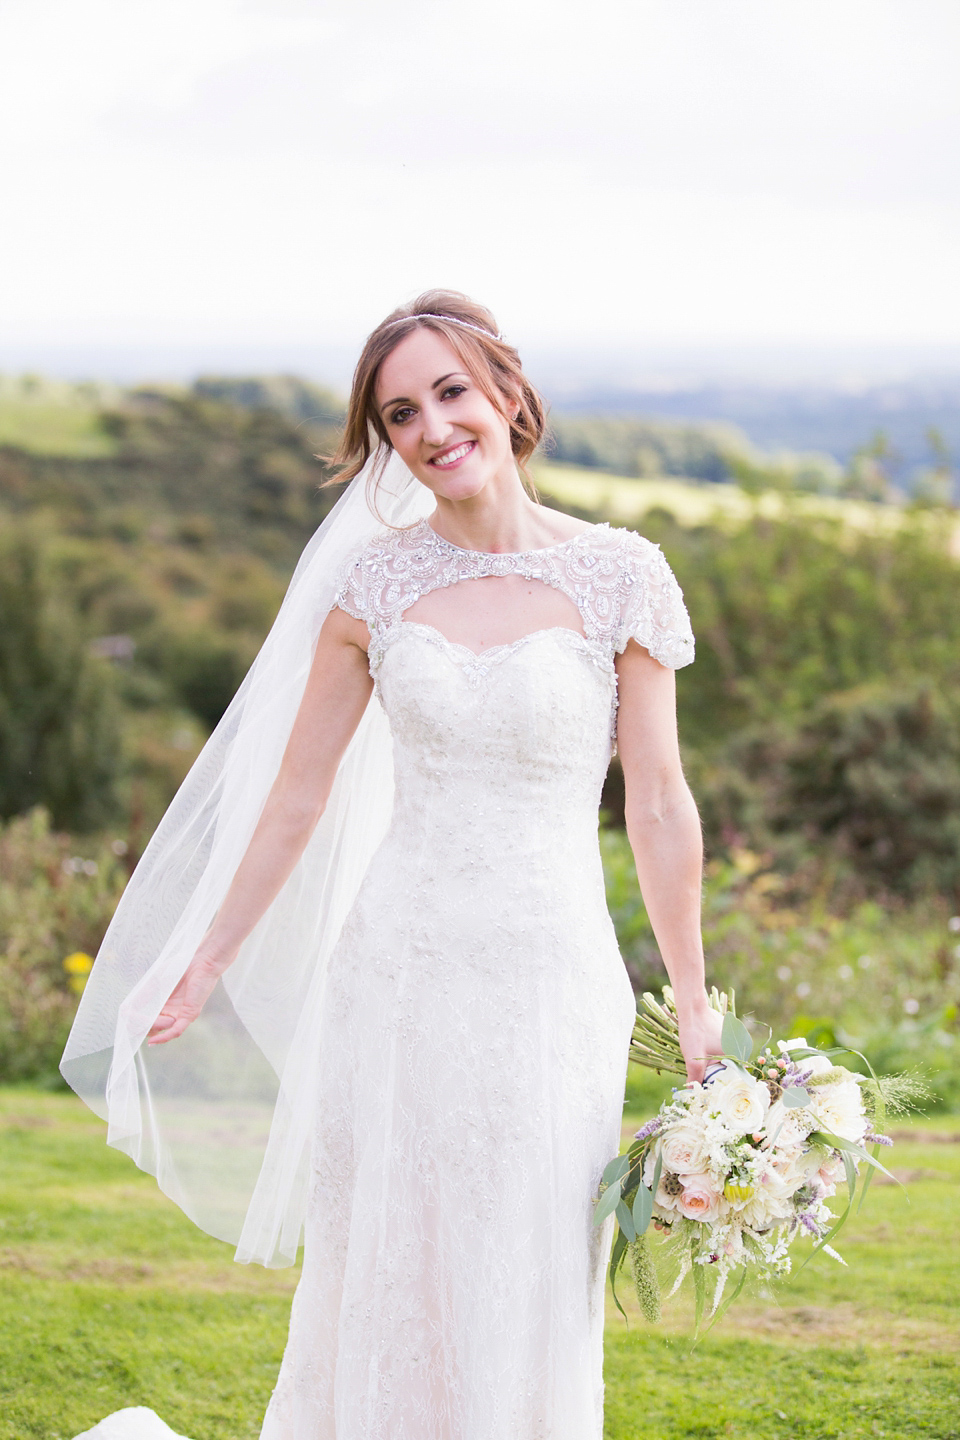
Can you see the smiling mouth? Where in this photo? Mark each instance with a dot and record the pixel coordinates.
(451, 457)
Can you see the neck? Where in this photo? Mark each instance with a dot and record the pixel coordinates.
(500, 519)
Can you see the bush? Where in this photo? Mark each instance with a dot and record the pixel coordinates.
(54, 904)
(202, 667)
(59, 720)
(871, 775)
(883, 978)
(789, 611)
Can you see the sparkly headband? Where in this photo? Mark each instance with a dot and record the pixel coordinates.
(429, 315)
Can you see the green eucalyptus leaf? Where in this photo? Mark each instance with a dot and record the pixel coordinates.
(616, 1260)
(735, 1038)
(642, 1209)
(795, 1097)
(656, 1173)
(625, 1221)
(616, 1170)
(607, 1203)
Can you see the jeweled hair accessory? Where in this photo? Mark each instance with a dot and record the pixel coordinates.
(453, 319)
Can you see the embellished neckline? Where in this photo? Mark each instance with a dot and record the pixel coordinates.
(428, 533)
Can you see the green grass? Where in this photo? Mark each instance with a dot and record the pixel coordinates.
(110, 1297)
(49, 427)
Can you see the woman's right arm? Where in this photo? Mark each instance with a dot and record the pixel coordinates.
(336, 695)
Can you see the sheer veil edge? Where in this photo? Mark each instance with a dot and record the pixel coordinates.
(223, 1116)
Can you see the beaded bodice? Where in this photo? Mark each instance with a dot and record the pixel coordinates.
(620, 583)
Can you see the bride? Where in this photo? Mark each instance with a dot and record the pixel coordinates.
(386, 939)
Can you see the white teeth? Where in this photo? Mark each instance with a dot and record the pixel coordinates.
(453, 455)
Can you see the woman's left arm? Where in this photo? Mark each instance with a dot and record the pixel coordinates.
(664, 832)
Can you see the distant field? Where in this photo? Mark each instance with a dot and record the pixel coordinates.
(110, 1297)
(693, 502)
(52, 426)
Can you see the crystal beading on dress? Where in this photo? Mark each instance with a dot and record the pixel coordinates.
(619, 581)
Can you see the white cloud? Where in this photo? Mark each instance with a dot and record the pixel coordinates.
(648, 168)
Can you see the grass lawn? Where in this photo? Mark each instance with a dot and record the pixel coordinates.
(110, 1297)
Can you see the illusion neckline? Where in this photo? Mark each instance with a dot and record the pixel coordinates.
(432, 534)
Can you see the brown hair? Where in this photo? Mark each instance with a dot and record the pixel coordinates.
(490, 360)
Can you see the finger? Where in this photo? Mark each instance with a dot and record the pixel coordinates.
(161, 1037)
(164, 1020)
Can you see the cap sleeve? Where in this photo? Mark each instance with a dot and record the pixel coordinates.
(653, 612)
(351, 589)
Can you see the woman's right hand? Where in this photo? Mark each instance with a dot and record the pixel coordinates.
(188, 998)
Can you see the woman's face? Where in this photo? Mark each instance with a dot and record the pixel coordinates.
(438, 419)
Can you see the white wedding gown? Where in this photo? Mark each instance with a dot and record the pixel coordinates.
(475, 1033)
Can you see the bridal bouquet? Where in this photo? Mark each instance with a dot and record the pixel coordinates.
(731, 1172)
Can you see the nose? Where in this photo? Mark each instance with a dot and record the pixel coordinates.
(436, 428)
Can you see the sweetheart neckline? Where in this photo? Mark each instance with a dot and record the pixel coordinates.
(492, 649)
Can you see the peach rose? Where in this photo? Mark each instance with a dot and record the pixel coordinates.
(698, 1199)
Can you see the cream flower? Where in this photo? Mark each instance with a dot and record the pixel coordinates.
(682, 1149)
(839, 1110)
(787, 1128)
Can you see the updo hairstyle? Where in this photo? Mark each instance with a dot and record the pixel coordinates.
(488, 359)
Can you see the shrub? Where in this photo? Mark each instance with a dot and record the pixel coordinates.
(883, 978)
(59, 721)
(869, 781)
(54, 904)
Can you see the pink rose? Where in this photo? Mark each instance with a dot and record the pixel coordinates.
(698, 1200)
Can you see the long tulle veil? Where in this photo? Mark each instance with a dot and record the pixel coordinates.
(224, 1115)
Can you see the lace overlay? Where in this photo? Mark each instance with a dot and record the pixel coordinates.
(476, 1025)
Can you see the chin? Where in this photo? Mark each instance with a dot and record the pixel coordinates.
(454, 487)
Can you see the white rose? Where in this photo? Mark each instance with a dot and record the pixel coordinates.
(795, 1167)
(787, 1127)
(741, 1101)
(816, 1064)
(770, 1204)
(839, 1110)
(682, 1149)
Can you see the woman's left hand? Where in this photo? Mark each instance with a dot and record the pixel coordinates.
(700, 1039)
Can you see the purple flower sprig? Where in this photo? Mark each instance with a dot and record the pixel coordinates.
(652, 1127)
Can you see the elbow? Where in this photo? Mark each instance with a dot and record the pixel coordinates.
(655, 810)
(296, 816)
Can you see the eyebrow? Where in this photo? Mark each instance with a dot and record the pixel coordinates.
(403, 399)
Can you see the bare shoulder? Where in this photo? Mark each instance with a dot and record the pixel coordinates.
(565, 527)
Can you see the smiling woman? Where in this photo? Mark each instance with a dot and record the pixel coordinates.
(479, 352)
(409, 923)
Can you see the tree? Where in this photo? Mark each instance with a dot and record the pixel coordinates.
(59, 724)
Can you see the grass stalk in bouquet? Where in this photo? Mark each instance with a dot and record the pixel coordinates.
(733, 1171)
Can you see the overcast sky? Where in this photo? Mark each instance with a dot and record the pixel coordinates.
(630, 172)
